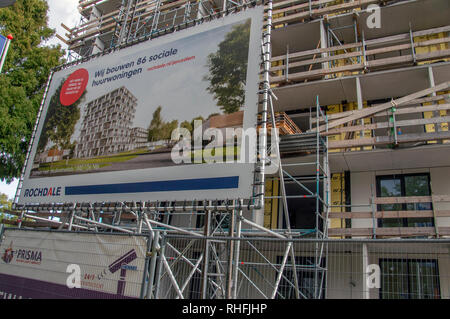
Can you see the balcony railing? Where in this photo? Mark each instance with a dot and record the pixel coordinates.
(376, 213)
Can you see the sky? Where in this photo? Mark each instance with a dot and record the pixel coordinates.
(60, 11)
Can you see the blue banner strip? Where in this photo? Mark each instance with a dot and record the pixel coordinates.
(159, 186)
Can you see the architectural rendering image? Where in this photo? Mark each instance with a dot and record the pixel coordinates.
(113, 127)
(343, 105)
(106, 127)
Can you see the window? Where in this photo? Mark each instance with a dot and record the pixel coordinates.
(409, 279)
(404, 185)
(302, 211)
(305, 277)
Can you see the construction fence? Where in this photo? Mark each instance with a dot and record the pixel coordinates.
(322, 269)
(47, 264)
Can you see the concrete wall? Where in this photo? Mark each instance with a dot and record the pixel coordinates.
(360, 195)
(344, 276)
(440, 185)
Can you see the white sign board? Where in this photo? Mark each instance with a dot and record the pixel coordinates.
(107, 128)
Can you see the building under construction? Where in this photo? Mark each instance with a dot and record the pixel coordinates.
(364, 147)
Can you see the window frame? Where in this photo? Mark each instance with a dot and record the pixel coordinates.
(401, 177)
(408, 261)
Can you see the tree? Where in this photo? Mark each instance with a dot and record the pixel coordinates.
(228, 69)
(23, 79)
(155, 125)
(5, 205)
(167, 129)
(60, 122)
(187, 125)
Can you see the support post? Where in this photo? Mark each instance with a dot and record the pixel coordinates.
(364, 52)
(146, 268)
(413, 48)
(205, 269)
(229, 291)
(437, 126)
(152, 268)
(267, 55)
(360, 102)
(323, 43)
(287, 64)
(21, 219)
(365, 263)
(433, 207)
(374, 209)
(160, 265)
(72, 214)
(237, 244)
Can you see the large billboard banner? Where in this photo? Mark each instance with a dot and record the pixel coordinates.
(152, 121)
(42, 264)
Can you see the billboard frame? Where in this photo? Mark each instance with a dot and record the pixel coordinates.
(257, 199)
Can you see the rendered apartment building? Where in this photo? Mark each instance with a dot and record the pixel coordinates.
(106, 127)
(139, 137)
(386, 139)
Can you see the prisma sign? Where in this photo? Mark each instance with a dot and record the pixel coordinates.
(106, 130)
(71, 265)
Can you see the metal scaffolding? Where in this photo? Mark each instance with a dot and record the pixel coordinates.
(137, 20)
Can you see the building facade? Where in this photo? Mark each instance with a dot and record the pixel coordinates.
(106, 127)
(383, 89)
(139, 137)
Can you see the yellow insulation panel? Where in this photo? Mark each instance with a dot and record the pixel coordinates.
(430, 128)
(337, 198)
(271, 204)
(431, 48)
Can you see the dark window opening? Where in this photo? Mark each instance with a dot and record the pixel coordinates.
(302, 211)
(311, 280)
(403, 185)
(409, 279)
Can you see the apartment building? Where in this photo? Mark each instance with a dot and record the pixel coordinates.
(106, 127)
(139, 137)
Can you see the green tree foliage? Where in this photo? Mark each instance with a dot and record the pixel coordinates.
(187, 125)
(155, 125)
(228, 69)
(60, 122)
(23, 79)
(190, 125)
(158, 129)
(5, 205)
(167, 129)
